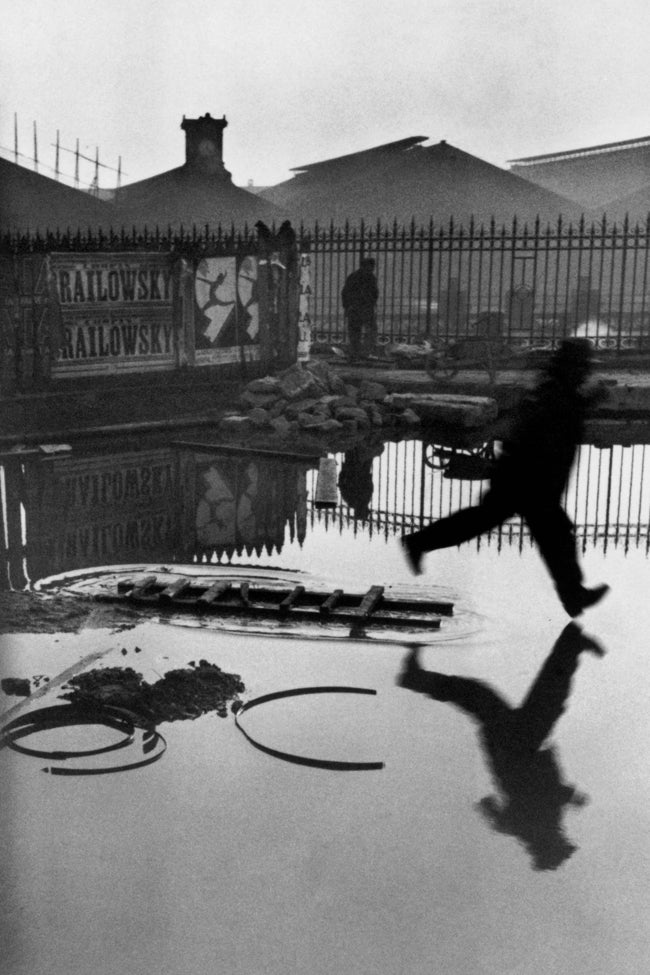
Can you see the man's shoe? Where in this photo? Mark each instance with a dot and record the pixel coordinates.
(592, 596)
(410, 670)
(412, 555)
(585, 599)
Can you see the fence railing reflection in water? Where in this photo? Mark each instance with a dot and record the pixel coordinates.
(608, 498)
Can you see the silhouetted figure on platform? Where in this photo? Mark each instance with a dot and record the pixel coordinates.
(530, 476)
(532, 794)
(359, 298)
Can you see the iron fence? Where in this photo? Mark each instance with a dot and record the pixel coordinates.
(532, 285)
(539, 284)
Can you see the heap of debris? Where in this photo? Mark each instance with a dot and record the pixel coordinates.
(314, 399)
(180, 695)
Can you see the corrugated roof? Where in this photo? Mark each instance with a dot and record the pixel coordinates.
(627, 144)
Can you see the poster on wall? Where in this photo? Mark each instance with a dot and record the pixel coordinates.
(304, 309)
(116, 313)
(227, 315)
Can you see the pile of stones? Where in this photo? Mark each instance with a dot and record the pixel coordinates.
(313, 399)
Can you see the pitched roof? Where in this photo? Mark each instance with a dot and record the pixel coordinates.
(32, 202)
(363, 156)
(605, 147)
(635, 205)
(592, 175)
(185, 197)
(404, 180)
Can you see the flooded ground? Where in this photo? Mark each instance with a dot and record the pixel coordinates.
(470, 850)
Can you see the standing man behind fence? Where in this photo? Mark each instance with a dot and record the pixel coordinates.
(359, 297)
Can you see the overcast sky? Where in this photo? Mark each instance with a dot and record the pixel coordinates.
(304, 80)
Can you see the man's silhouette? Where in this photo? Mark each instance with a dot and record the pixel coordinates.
(530, 476)
(355, 480)
(532, 794)
(359, 297)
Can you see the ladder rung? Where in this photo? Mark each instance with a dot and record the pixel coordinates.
(290, 600)
(331, 602)
(142, 585)
(174, 589)
(213, 592)
(370, 602)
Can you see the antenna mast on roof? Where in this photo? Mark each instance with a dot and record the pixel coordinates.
(35, 149)
(16, 137)
(94, 186)
(56, 157)
(76, 165)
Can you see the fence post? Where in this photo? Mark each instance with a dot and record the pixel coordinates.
(626, 228)
(304, 317)
(429, 280)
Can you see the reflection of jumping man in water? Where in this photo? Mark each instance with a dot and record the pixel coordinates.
(532, 794)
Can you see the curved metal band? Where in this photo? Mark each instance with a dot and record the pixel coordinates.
(61, 770)
(63, 716)
(299, 759)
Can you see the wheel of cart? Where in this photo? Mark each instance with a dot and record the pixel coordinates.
(487, 349)
(464, 463)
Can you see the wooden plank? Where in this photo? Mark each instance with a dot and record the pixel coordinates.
(174, 589)
(290, 600)
(330, 603)
(212, 593)
(369, 603)
(220, 448)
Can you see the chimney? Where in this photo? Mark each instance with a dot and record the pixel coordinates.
(204, 145)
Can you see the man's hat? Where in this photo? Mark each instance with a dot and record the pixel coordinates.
(572, 358)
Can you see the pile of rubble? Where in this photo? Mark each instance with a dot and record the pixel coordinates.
(314, 399)
(181, 694)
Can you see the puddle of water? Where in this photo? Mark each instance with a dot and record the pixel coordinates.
(219, 856)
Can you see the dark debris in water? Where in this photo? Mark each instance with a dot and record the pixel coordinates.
(18, 686)
(180, 695)
(22, 686)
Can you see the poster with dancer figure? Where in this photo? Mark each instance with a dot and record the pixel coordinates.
(227, 314)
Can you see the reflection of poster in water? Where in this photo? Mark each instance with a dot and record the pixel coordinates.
(100, 510)
(227, 310)
(247, 505)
